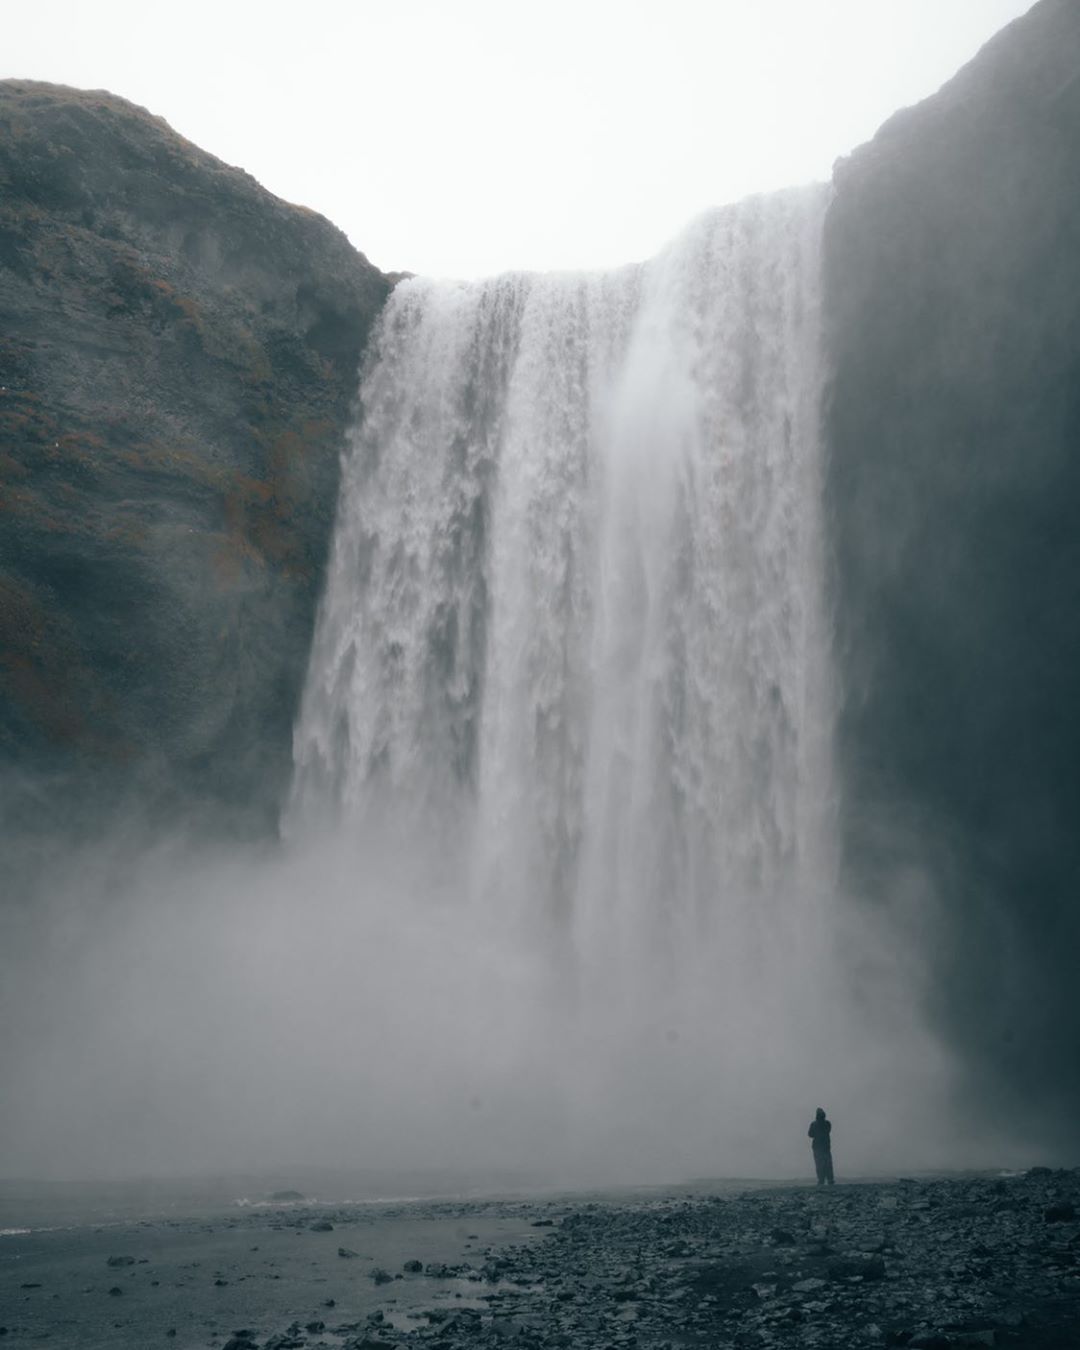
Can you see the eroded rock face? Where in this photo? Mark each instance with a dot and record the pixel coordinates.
(953, 425)
(178, 360)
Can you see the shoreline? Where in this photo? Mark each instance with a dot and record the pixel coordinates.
(927, 1263)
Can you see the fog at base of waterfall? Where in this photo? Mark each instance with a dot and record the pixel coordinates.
(184, 1012)
(557, 889)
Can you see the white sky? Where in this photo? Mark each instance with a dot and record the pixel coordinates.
(464, 137)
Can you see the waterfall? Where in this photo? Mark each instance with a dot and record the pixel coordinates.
(571, 649)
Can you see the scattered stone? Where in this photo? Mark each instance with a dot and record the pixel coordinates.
(668, 1272)
(856, 1266)
(120, 1261)
(347, 1253)
(322, 1226)
(1061, 1212)
(116, 1291)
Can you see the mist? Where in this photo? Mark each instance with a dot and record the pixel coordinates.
(187, 1010)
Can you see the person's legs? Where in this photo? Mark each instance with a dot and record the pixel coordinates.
(828, 1168)
(819, 1165)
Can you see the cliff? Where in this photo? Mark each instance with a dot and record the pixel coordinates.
(178, 360)
(953, 432)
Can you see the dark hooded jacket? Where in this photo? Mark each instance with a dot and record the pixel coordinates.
(819, 1133)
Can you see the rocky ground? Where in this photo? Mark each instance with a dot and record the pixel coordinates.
(928, 1264)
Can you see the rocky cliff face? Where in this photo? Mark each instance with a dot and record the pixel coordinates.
(953, 284)
(178, 359)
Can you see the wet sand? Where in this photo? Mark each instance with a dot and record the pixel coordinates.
(929, 1264)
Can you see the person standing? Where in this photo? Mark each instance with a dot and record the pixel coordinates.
(820, 1134)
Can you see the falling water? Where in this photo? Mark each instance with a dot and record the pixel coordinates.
(571, 649)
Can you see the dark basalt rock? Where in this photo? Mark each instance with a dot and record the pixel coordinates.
(178, 360)
(606, 1275)
(952, 253)
(856, 1264)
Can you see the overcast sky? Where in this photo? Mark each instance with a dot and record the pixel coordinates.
(463, 137)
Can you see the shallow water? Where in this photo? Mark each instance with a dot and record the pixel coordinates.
(205, 1277)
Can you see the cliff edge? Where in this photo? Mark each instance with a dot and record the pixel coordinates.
(178, 360)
